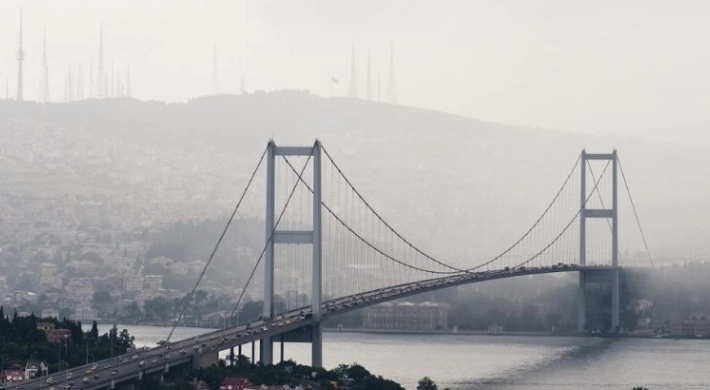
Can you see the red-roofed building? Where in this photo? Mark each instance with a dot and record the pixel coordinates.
(13, 376)
(57, 335)
(234, 383)
(199, 384)
(45, 326)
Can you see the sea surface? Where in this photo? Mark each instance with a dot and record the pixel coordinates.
(500, 362)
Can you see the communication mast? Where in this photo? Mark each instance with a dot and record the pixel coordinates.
(353, 76)
(391, 88)
(45, 69)
(20, 59)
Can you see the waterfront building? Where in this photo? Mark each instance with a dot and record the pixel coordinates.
(694, 327)
(495, 329)
(406, 316)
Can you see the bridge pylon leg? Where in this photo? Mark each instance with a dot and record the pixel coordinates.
(317, 346)
(282, 348)
(582, 302)
(615, 300)
(266, 349)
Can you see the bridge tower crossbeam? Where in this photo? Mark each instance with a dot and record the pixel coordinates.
(275, 237)
(612, 214)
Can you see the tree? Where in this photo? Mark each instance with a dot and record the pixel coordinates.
(157, 308)
(427, 384)
(132, 312)
(94, 333)
(357, 372)
(125, 340)
(100, 299)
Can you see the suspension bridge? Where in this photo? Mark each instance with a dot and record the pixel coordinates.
(327, 251)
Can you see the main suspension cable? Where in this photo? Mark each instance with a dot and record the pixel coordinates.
(273, 230)
(362, 239)
(633, 207)
(534, 225)
(569, 224)
(416, 249)
(219, 241)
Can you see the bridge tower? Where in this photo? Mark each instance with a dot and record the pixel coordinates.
(612, 214)
(275, 237)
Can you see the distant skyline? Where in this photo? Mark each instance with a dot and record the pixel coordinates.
(603, 67)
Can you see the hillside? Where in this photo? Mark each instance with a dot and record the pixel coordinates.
(443, 180)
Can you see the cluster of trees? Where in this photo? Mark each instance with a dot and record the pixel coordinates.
(355, 377)
(163, 310)
(22, 340)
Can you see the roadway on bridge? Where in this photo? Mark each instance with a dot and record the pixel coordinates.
(131, 366)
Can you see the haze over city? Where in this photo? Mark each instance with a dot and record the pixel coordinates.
(604, 67)
(365, 195)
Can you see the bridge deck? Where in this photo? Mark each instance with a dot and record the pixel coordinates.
(161, 359)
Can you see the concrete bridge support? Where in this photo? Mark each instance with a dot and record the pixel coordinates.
(123, 385)
(615, 300)
(317, 346)
(582, 302)
(204, 359)
(266, 351)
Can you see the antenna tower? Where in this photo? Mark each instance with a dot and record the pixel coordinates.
(369, 79)
(215, 80)
(101, 61)
(20, 59)
(391, 88)
(45, 69)
(353, 76)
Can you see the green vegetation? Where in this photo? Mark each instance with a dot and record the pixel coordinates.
(21, 340)
(427, 384)
(354, 377)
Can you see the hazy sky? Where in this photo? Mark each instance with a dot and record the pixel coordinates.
(611, 67)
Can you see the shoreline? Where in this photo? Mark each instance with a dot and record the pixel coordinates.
(511, 333)
(459, 332)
